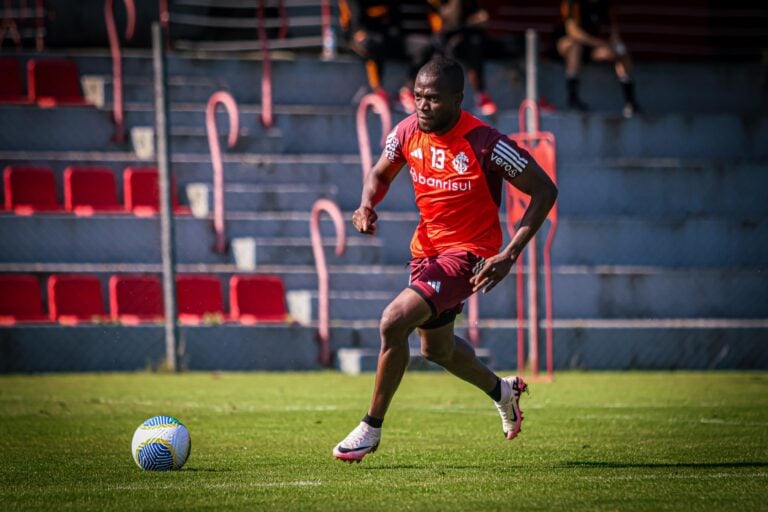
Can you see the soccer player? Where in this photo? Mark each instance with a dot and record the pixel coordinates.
(457, 164)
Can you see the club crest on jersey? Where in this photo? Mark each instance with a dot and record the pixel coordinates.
(461, 163)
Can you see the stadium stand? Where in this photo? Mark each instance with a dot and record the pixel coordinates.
(30, 189)
(20, 299)
(90, 189)
(257, 299)
(11, 86)
(54, 82)
(75, 299)
(660, 254)
(135, 299)
(199, 299)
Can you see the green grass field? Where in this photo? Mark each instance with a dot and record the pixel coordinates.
(590, 441)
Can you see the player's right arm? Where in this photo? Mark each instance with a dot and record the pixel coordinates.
(375, 187)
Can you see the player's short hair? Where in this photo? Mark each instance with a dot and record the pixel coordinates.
(449, 73)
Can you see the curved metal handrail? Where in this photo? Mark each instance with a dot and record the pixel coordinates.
(226, 99)
(378, 105)
(266, 70)
(117, 60)
(328, 206)
(165, 21)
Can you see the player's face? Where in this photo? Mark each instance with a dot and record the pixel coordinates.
(437, 109)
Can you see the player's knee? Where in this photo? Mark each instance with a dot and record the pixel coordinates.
(437, 355)
(393, 327)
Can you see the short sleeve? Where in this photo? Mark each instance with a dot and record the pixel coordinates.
(393, 148)
(500, 154)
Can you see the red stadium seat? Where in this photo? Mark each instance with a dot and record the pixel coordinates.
(141, 192)
(30, 189)
(136, 299)
(74, 299)
(257, 299)
(54, 82)
(90, 189)
(199, 299)
(20, 299)
(11, 87)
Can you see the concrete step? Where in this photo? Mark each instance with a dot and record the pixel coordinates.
(579, 241)
(620, 240)
(662, 188)
(671, 344)
(339, 80)
(662, 87)
(505, 81)
(315, 129)
(354, 361)
(251, 198)
(650, 136)
(67, 239)
(618, 344)
(669, 242)
(109, 347)
(645, 187)
(339, 173)
(581, 293)
(360, 292)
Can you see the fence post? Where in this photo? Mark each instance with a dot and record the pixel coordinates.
(531, 86)
(167, 237)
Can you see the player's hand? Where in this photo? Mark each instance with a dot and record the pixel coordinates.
(364, 220)
(494, 270)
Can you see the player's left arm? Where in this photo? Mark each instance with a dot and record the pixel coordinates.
(533, 181)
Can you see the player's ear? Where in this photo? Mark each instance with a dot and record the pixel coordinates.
(459, 98)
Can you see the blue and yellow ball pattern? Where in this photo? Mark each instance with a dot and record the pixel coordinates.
(161, 443)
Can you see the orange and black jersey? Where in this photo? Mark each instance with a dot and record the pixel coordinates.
(457, 181)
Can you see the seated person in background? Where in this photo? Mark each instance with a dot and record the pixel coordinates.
(460, 28)
(373, 31)
(582, 21)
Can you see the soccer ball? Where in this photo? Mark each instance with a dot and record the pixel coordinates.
(161, 443)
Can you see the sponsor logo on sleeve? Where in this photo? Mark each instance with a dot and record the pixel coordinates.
(506, 157)
(392, 146)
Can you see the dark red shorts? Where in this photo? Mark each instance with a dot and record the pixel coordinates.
(443, 281)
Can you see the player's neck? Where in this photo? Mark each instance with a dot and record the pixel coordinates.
(449, 126)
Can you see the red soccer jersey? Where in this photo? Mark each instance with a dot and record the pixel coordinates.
(457, 180)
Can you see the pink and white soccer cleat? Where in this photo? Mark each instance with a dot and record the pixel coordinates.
(364, 439)
(509, 405)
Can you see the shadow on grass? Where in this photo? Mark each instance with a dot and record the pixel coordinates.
(206, 470)
(697, 465)
(434, 467)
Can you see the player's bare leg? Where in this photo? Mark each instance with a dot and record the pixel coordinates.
(399, 319)
(443, 347)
